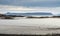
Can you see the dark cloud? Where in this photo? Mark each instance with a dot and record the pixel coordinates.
(31, 3)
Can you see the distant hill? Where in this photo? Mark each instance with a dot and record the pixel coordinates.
(30, 14)
(38, 13)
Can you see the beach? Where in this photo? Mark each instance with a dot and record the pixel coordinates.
(30, 26)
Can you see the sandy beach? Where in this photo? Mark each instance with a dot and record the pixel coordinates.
(30, 26)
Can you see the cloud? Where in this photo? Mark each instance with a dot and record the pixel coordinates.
(31, 3)
(6, 8)
(14, 8)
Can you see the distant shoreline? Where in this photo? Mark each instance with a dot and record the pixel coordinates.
(2, 16)
(29, 35)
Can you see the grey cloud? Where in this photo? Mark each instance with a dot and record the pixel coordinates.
(32, 3)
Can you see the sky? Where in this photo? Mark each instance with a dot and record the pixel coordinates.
(30, 5)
